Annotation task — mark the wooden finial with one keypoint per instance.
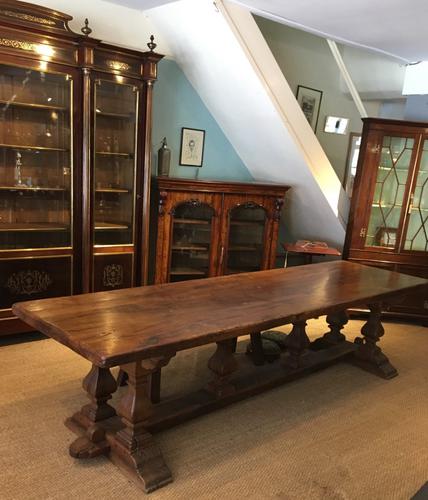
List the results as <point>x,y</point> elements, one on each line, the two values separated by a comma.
<point>86,30</point>
<point>151,45</point>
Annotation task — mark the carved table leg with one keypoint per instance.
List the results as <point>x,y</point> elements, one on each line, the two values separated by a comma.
<point>368,353</point>
<point>99,384</point>
<point>133,447</point>
<point>155,383</point>
<point>297,343</point>
<point>223,364</point>
<point>336,321</point>
<point>257,349</point>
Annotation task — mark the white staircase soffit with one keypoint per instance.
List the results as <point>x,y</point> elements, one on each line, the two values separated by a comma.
<point>225,57</point>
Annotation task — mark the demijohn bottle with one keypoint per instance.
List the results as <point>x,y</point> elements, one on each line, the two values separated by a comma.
<point>164,159</point>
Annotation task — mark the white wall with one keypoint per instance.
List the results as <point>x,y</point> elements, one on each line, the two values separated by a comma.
<point>111,23</point>
<point>306,59</point>
<point>222,55</point>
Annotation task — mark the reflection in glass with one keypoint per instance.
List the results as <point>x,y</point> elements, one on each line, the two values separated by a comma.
<point>35,159</point>
<point>246,235</point>
<point>417,229</point>
<point>389,192</point>
<point>191,241</point>
<point>115,128</point>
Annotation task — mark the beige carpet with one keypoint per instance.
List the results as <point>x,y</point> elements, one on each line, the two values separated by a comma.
<point>337,434</point>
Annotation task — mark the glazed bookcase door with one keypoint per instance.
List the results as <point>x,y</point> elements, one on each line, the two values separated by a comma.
<point>389,199</point>
<point>115,162</point>
<point>247,228</point>
<point>192,240</point>
<point>36,153</point>
<point>36,181</point>
<point>115,156</point>
<point>416,231</point>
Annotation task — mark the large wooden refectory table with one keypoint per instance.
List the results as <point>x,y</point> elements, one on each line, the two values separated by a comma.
<point>141,329</point>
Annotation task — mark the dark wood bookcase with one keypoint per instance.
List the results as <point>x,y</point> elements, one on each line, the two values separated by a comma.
<point>212,228</point>
<point>388,223</point>
<point>75,135</point>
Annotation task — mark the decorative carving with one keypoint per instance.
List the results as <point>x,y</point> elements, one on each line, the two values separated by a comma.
<point>28,17</point>
<point>113,275</point>
<point>86,30</point>
<point>279,202</point>
<point>17,44</point>
<point>250,204</point>
<point>118,65</point>
<point>162,200</point>
<point>28,282</point>
<point>192,202</point>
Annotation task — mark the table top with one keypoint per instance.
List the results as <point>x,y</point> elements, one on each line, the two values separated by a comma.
<point>122,326</point>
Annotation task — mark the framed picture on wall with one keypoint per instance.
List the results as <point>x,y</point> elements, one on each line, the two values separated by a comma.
<point>192,147</point>
<point>310,102</point>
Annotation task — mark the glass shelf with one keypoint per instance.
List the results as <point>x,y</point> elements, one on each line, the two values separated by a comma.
<point>122,116</point>
<point>48,226</point>
<point>112,153</point>
<point>30,105</point>
<point>34,148</point>
<point>182,271</point>
<point>191,221</point>
<point>31,188</point>
<point>109,226</point>
<point>244,248</point>
<point>112,190</point>
<point>192,248</point>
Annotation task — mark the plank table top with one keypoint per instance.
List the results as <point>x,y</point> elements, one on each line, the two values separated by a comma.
<point>123,326</point>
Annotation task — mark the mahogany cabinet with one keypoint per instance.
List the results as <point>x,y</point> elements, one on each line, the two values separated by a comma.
<point>75,125</point>
<point>212,228</point>
<point>388,224</point>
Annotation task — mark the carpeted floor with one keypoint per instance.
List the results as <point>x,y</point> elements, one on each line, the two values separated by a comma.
<point>337,434</point>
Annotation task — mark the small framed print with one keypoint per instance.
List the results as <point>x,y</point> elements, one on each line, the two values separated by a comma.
<point>192,147</point>
<point>310,102</point>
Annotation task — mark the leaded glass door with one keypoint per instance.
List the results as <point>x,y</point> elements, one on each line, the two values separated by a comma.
<point>416,238</point>
<point>390,198</point>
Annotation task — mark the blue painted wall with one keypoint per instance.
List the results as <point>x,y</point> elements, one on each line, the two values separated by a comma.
<point>176,104</point>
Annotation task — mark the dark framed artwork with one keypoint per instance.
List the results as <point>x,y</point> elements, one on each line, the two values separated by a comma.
<point>192,147</point>
<point>310,101</point>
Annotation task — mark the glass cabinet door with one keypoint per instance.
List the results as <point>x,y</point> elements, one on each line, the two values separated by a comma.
<point>114,162</point>
<point>245,246</point>
<point>35,159</point>
<point>417,227</point>
<point>389,196</point>
<point>191,241</point>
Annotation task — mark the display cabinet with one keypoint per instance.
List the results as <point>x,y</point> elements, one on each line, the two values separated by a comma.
<point>212,228</point>
<point>75,125</point>
<point>388,224</point>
